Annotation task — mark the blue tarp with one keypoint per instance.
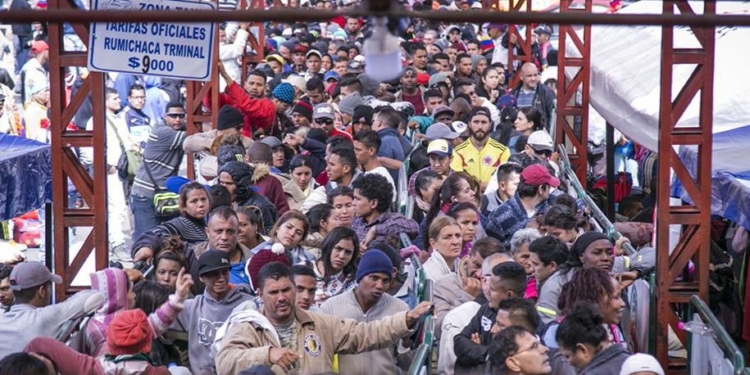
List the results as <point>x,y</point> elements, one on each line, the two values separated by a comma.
<point>25,176</point>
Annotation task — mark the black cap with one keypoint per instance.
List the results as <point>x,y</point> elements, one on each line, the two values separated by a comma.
<point>213,260</point>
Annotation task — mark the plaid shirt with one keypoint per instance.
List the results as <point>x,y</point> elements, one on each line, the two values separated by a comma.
<point>510,217</point>
<point>388,223</point>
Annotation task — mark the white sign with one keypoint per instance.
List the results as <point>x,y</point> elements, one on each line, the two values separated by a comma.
<point>175,50</point>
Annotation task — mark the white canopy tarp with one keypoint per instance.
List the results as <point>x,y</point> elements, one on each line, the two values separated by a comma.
<point>625,90</point>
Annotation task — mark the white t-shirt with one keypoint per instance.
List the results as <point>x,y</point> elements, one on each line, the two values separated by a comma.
<point>384,172</point>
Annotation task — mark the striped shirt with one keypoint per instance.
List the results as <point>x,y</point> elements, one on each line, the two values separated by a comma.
<point>163,155</point>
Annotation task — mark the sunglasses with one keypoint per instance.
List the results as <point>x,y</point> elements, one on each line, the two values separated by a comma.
<point>176,115</point>
<point>323,121</point>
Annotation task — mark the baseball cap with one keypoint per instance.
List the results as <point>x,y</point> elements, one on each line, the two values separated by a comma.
<point>459,127</point>
<point>299,48</point>
<point>543,29</point>
<point>323,110</point>
<point>442,109</point>
<point>213,260</point>
<point>354,67</point>
<point>439,130</point>
<point>276,58</point>
<point>297,81</point>
<point>314,52</point>
<point>271,141</point>
<point>331,75</point>
<point>440,147</point>
<point>540,141</point>
<point>640,362</point>
<point>537,175</point>
<point>30,274</point>
<point>39,46</point>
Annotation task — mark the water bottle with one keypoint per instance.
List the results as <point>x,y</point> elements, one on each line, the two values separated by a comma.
<point>695,328</point>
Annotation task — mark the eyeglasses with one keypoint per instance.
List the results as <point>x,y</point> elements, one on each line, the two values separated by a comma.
<point>176,115</point>
<point>535,347</point>
<point>323,121</point>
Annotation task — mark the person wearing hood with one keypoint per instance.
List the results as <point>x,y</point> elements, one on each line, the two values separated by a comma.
<point>230,122</point>
<point>284,192</point>
<point>117,289</point>
<point>129,341</point>
<point>237,177</point>
<point>583,339</point>
<point>156,98</point>
<point>204,314</point>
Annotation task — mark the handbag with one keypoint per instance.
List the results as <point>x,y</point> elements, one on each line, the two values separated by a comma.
<point>130,160</point>
<point>166,203</point>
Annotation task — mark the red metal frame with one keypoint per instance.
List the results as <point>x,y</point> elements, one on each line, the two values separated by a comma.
<point>569,108</point>
<point>65,163</point>
<point>524,42</point>
<point>694,243</point>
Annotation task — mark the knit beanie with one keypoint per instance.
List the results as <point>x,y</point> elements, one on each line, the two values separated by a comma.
<point>259,260</point>
<point>284,92</point>
<point>349,102</point>
<point>229,117</point>
<point>304,108</point>
<point>363,113</point>
<point>374,261</point>
<point>129,333</point>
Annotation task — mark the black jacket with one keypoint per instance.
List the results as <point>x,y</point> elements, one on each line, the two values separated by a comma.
<point>471,357</point>
<point>544,101</point>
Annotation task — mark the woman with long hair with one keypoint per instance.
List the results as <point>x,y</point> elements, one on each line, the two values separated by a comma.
<point>323,219</point>
<point>337,266</point>
<point>189,227</point>
<point>467,216</point>
<point>250,224</point>
<point>456,188</point>
<point>286,238</point>
<point>528,120</point>
<point>301,172</point>
<point>583,340</point>
<point>488,85</point>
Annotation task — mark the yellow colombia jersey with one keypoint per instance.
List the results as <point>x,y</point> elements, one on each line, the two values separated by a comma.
<point>480,164</point>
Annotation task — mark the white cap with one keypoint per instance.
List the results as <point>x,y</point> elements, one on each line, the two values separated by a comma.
<point>641,363</point>
<point>459,126</point>
<point>540,140</point>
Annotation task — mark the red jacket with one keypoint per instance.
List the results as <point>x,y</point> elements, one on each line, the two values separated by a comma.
<point>336,132</point>
<point>259,113</point>
<point>69,362</point>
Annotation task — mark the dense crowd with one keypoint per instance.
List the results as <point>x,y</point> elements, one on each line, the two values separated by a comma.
<point>323,200</point>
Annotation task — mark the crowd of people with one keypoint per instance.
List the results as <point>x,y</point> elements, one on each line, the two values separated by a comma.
<point>291,252</point>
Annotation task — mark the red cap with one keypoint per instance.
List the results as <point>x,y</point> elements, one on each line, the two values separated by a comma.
<point>39,46</point>
<point>299,48</point>
<point>537,175</point>
<point>423,79</point>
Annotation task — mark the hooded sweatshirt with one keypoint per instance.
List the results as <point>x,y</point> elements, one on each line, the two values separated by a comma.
<point>156,98</point>
<point>201,317</point>
<point>607,362</point>
<point>114,284</point>
<point>245,196</point>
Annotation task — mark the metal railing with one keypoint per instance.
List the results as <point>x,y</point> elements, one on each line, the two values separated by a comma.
<point>605,225</point>
<point>727,345</point>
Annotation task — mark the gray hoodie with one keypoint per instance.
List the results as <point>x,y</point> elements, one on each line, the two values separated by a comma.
<point>201,317</point>
<point>607,362</point>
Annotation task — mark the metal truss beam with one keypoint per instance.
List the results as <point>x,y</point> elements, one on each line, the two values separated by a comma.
<point>65,164</point>
<point>573,95</point>
<point>695,219</point>
<point>524,42</point>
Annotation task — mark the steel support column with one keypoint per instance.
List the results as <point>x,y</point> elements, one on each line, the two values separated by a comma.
<point>524,42</point>
<point>256,43</point>
<point>694,242</point>
<point>65,164</point>
<point>197,113</point>
<point>572,113</point>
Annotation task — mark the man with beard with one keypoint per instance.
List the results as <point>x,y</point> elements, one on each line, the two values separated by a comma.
<point>479,155</point>
<point>368,302</point>
<point>289,339</point>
